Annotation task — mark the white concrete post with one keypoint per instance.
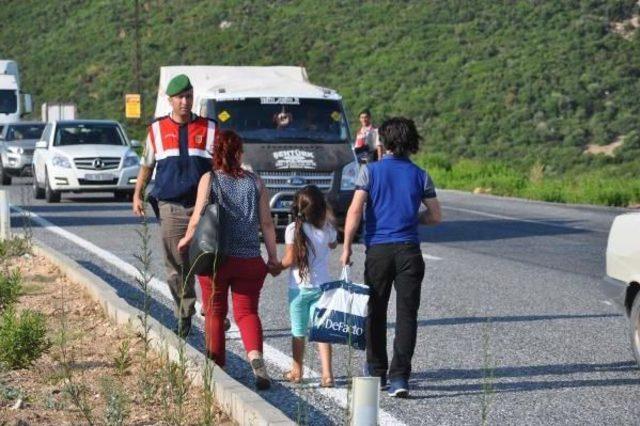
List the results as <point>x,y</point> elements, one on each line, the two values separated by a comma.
<point>365,402</point>
<point>5,217</point>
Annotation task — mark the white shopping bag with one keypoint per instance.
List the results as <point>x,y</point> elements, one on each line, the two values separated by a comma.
<point>340,313</point>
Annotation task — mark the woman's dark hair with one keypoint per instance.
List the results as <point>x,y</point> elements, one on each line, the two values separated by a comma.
<point>310,206</point>
<point>227,148</point>
<point>400,136</point>
<point>365,111</point>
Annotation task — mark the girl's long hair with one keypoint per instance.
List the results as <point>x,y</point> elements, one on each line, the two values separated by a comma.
<point>310,206</point>
<point>227,148</point>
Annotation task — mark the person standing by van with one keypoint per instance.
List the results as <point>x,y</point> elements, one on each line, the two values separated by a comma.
<point>309,240</point>
<point>392,189</point>
<point>367,145</point>
<point>179,147</point>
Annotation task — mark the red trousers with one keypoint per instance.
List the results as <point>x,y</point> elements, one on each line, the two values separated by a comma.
<point>244,276</point>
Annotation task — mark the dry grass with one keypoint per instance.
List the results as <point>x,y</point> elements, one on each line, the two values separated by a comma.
<point>95,350</point>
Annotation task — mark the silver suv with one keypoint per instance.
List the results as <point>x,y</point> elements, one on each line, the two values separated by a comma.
<point>17,143</point>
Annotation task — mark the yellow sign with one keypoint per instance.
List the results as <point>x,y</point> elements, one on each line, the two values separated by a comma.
<point>224,116</point>
<point>336,116</point>
<point>132,105</point>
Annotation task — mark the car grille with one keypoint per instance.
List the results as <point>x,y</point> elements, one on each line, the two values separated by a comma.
<point>97,182</point>
<point>291,181</point>
<point>88,163</point>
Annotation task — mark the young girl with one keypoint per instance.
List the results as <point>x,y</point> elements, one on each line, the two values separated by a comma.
<point>308,241</point>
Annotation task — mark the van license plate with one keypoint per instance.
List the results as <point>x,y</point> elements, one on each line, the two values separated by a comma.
<point>99,177</point>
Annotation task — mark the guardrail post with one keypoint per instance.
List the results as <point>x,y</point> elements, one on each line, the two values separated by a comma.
<point>5,216</point>
<point>365,402</point>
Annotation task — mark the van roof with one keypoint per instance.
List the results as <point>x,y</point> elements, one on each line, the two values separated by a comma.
<point>9,67</point>
<point>231,82</point>
<point>8,81</point>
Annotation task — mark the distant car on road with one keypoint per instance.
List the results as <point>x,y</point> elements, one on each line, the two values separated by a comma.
<point>84,156</point>
<point>622,282</point>
<point>17,143</point>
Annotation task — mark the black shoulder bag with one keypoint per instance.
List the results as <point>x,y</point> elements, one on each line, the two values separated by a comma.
<point>206,251</point>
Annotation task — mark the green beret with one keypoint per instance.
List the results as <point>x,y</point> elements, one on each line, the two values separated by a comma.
<point>178,84</point>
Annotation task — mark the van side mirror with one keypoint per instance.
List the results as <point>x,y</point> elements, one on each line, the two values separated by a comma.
<point>28,104</point>
<point>135,143</point>
<point>41,145</point>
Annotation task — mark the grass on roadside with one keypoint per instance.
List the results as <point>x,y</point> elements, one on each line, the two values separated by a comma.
<point>609,187</point>
<point>15,246</point>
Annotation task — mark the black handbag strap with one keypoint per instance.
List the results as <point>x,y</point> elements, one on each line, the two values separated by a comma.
<point>214,187</point>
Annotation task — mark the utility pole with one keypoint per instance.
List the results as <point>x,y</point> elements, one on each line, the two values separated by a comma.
<point>138,57</point>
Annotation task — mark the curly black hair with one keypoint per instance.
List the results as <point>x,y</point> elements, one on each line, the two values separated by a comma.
<point>400,136</point>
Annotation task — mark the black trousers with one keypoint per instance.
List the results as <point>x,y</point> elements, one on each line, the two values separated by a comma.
<point>400,265</point>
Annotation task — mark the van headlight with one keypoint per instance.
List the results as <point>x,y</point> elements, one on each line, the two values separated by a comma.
<point>60,161</point>
<point>15,149</point>
<point>130,160</point>
<point>349,175</point>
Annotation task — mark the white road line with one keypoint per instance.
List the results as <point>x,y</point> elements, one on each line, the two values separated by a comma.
<point>271,354</point>
<point>516,219</point>
<point>430,257</point>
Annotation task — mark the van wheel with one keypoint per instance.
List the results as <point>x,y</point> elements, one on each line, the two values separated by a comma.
<point>6,179</point>
<point>634,328</point>
<point>49,194</point>
<point>38,193</point>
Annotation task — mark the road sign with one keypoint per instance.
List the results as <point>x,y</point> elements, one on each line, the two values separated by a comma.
<point>132,105</point>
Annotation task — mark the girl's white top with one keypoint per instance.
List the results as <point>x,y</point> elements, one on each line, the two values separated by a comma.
<point>319,239</point>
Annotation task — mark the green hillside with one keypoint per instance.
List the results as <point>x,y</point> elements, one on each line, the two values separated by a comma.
<point>507,94</point>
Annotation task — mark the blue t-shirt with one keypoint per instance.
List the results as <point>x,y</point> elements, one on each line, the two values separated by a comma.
<point>396,188</point>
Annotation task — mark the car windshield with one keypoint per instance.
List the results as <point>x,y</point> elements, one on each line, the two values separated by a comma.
<point>282,119</point>
<point>8,102</point>
<point>24,131</point>
<point>88,134</point>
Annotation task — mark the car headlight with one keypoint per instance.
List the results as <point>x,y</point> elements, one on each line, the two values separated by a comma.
<point>60,161</point>
<point>15,149</point>
<point>349,175</point>
<point>130,160</point>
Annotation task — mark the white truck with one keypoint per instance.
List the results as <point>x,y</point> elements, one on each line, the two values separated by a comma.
<point>13,103</point>
<point>295,133</point>
<point>58,111</point>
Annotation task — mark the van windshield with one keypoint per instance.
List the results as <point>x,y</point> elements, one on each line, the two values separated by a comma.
<point>8,102</point>
<point>282,119</point>
<point>88,134</point>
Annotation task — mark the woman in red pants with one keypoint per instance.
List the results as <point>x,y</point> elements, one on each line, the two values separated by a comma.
<point>246,205</point>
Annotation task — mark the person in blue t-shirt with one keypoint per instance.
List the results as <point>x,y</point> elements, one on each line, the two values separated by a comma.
<point>392,190</point>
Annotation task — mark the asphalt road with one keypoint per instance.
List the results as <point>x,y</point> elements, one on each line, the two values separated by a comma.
<point>511,322</point>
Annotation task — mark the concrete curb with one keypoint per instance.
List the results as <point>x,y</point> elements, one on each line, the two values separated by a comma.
<point>242,404</point>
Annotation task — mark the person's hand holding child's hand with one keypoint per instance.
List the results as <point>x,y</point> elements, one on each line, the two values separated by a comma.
<point>274,266</point>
